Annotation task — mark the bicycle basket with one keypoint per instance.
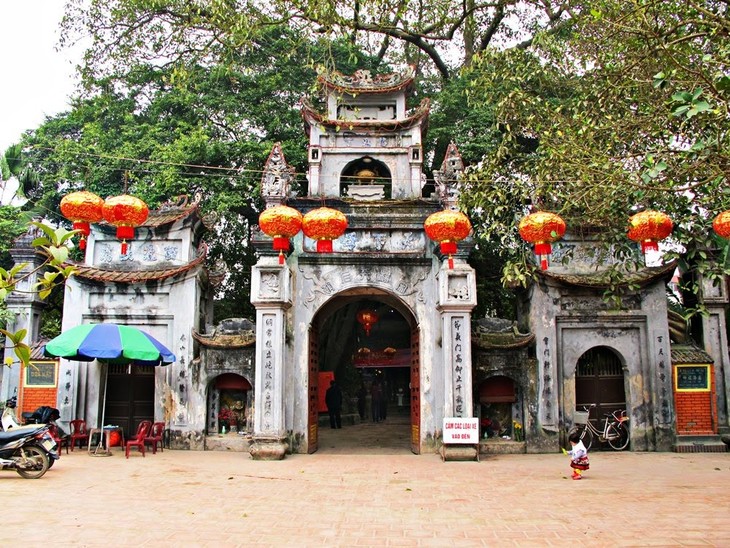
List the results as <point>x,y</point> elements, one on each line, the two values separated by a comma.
<point>580,417</point>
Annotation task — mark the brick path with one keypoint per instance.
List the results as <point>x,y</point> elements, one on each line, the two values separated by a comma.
<point>213,498</point>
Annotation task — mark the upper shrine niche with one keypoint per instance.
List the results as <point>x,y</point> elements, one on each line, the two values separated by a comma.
<point>365,145</point>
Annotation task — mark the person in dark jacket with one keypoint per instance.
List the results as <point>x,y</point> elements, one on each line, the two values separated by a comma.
<point>333,399</point>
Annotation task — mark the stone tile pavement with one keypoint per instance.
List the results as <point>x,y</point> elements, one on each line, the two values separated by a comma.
<point>369,497</point>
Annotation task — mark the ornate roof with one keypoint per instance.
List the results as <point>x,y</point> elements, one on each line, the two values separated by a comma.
<point>420,114</point>
<point>498,333</point>
<point>139,275</point>
<point>230,333</point>
<point>173,210</point>
<point>597,280</point>
<point>362,81</point>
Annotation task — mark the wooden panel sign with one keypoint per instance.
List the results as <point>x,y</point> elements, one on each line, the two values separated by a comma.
<point>41,374</point>
<point>692,378</point>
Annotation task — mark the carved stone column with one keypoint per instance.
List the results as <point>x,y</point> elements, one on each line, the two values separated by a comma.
<point>714,331</point>
<point>271,295</point>
<point>457,298</point>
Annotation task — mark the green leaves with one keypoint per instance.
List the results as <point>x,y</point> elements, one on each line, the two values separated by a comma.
<point>21,349</point>
<point>689,104</point>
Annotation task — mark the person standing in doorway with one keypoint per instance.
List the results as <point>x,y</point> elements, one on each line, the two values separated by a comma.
<point>362,395</point>
<point>333,399</point>
<point>376,394</point>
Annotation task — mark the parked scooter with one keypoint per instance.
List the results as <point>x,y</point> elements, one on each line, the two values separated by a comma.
<point>27,451</point>
<point>43,416</point>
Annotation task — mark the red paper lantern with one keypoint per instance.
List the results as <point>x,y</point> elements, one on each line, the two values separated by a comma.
<point>82,208</point>
<point>324,225</point>
<point>542,229</point>
<point>367,318</point>
<point>281,223</point>
<point>649,227</point>
<point>721,224</point>
<point>447,227</point>
<point>125,212</point>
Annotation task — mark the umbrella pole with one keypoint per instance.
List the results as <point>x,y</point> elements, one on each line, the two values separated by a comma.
<point>99,448</point>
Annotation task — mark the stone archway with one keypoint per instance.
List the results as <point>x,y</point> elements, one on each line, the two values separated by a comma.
<point>339,346</point>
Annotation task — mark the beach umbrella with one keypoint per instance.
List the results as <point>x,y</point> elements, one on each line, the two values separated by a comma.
<point>108,343</point>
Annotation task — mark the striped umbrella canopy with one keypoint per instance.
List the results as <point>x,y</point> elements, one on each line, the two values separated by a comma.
<point>110,343</point>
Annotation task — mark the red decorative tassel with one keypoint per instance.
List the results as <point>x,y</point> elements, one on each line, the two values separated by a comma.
<point>451,263</point>
<point>324,246</point>
<point>125,246</point>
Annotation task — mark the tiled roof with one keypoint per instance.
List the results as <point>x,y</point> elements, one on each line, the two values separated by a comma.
<point>641,277</point>
<point>420,114</point>
<point>689,353</point>
<point>138,276</point>
<point>240,340</point>
<point>362,81</point>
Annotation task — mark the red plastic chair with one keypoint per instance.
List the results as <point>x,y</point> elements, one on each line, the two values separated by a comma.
<point>78,433</point>
<point>58,438</point>
<point>155,436</point>
<point>138,439</point>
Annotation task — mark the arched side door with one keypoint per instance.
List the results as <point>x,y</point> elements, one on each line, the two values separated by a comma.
<point>599,379</point>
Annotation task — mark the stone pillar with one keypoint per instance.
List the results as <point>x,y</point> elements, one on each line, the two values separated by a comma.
<point>271,295</point>
<point>457,298</point>
<point>714,330</point>
<point>26,306</point>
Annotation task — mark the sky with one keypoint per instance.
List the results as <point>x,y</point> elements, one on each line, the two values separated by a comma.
<point>36,80</point>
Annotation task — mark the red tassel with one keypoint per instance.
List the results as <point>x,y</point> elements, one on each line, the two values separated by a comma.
<point>451,263</point>
<point>324,246</point>
<point>124,247</point>
<point>544,262</point>
<point>82,243</point>
<point>281,257</point>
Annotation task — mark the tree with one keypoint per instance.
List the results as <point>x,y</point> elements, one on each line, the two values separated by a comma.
<point>196,130</point>
<point>626,108</point>
<point>427,32</point>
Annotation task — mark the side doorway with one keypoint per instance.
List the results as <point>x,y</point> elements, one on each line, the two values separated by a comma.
<point>599,379</point>
<point>130,396</point>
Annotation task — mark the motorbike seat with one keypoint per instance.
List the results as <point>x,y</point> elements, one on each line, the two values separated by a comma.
<point>17,433</point>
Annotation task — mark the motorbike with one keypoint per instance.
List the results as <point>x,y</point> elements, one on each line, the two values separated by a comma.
<point>43,416</point>
<point>27,451</point>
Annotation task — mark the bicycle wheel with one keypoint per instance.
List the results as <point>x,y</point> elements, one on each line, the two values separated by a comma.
<point>586,437</point>
<point>618,436</point>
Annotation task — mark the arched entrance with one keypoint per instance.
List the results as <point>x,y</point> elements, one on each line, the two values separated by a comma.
<point>599,379</point>
<point>377,367</point>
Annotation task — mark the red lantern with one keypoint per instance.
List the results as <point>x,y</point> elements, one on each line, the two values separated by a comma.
<point>281,223</point>
<point>721,224</point>
<point>125,212</point>
<point>541,229</point>
<point>649,227</point>
<point>82,208</point>
<point>324,225</point>
<point>447,227</point>
<point>367,318</point>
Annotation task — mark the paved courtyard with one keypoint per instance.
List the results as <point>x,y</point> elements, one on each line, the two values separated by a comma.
<point>381,496</point>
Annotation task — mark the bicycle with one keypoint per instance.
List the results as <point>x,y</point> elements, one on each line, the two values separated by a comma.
<point>615,428</point>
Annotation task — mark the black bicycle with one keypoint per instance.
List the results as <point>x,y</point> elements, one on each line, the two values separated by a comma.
<point>615,428</point>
